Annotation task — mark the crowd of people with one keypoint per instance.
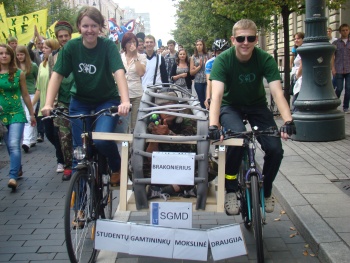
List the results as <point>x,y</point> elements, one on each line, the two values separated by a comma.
<point>89,73</point>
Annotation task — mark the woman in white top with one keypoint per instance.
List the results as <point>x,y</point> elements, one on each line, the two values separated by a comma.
<point>135,66</point>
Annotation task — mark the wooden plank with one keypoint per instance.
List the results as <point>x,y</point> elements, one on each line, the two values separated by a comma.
<point>161,141</point>
<point>221,180</point>
<point>111,136</point>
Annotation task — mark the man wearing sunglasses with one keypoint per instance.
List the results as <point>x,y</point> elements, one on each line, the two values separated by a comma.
<point>238,92</point>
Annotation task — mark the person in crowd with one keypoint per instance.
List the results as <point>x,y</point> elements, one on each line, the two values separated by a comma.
<point>197,69</point>
<point>12,87</point>
<point>330,36</point>
<point>41,91</point>
<point>155,69</point>
<point>140,46</point>
<point>170,57</point>
<point>135,65</point>
<point>30,69</point>
<point>298,41</point>
<point>95,83</point>
<point>12,42</point>
<point>341,65</point>
<point>299,79</point>
<point>180,73</point>
<point>63,32</point>
<point>234,98</point>
<point>179,47</point>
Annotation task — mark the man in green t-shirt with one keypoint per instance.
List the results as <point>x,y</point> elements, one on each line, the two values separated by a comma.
<point>238,92</point>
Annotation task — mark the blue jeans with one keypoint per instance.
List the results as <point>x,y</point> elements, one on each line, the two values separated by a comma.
<point>232,118</point>
<point>13,139</point>
<point>201,89</point>
<point>102,124</point>
<point>340,78</point>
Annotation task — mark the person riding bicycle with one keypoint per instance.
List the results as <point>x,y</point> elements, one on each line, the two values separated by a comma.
<point>238,92</point>
<point>97,67</point>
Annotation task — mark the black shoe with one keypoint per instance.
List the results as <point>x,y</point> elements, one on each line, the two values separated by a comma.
<point>25,148</point>
<point>40,139</point>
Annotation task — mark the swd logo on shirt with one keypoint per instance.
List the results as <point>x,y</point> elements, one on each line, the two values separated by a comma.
<point>247,78</point>
<point>87,68</point>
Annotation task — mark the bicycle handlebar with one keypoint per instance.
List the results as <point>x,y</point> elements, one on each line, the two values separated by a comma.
<point>271,131</point>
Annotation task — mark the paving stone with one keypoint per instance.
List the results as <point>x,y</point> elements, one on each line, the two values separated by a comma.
<point>34,256</point>
<point>275,244</point>
<point>29,237</point>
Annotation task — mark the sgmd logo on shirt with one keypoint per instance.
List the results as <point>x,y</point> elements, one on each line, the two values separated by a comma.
<point>87,68</point>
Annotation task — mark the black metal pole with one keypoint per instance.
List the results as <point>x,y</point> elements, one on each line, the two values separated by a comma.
<point>316,116</point>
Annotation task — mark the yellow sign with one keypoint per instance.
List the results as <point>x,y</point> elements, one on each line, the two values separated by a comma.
<point>3,24</point>
<point>22,27</point>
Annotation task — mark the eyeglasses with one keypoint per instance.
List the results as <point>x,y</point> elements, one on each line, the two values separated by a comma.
<point>241,39</point>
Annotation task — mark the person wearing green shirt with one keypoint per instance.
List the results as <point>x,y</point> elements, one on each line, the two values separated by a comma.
<point>238,92</point>
<point>97,67</point>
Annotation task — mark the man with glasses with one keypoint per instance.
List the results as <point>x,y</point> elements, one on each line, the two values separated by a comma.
<point>238,92</point>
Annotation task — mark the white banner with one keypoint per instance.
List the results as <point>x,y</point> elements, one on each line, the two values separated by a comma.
<point>226,242</point>
<point>173,168</point>
<point>146,240</point>
<point>171,214</point>
<point>191,244</point>
<point>112,236</point>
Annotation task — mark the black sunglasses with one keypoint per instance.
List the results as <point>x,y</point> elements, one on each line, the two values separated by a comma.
<point>241,39</point>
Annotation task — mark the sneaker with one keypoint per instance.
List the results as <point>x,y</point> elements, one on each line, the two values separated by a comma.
<point>25,148</point>
<point>346,111</point>
<point>79,220</point>
<point>40,139</point>
<point>269,204</point>
<point>156,192</point>
<point>60,168</point>
<point>67,174</point>
<point>12,184</point>
<point>231,204</point>
<point>190,193</point>
<point>168,190</point>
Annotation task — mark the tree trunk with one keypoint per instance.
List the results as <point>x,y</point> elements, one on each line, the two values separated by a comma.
<point>285,21</point>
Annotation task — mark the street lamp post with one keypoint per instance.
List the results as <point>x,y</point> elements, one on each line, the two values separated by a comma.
<point>317,117</point>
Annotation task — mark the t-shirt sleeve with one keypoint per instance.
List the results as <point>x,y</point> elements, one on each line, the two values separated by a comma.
<point>218,70</point>
<point>114,58</point>
<point>64,63</point>
<point>271,71</point>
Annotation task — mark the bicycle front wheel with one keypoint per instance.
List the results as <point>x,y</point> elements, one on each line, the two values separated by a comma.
<point>256,218</point>
<point>80,218</point>
<point>107,198</point>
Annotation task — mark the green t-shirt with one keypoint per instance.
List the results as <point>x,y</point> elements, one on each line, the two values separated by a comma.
<point>244,81</point>
<point>10,99</point>
<point>65,88</point>
<point>31,79</point>
<point>92,69</point>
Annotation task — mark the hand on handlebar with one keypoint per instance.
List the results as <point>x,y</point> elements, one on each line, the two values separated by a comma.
<point>46,110</point>
<point>124,108</point>
<point>288,129</point>
<point>215,133</point>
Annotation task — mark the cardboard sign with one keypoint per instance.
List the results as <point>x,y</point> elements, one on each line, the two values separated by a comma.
<point>173,168</point>
<point>171,214</point>
<point>112,236</point>
<point>191,244</point>
<point>146,240</point>
<point>226,242</point>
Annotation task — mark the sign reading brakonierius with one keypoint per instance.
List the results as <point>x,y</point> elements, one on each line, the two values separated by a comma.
<point>165,242</point>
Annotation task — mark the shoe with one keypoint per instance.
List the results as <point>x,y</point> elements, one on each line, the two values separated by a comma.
<point>12,184</point>
<point>79,220</point>
<point>190,193</point>
<point>20,172</point>
<point>231,204</point>
<point>67,174</point>
<point>269,204</point>
<point>215,154</point>
<point>346,111</point>
<point>60,168</point>
<point>32,144</point>
<point>39,139</point>
<point>25,148</point>
<point>156,192</point>
<point>115,179</point>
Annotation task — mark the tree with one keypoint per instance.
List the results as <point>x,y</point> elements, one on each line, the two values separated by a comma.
<point>262,12</point>
<point>197,20</point>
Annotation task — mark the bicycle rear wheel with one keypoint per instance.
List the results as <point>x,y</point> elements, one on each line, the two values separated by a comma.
<point>256,218</point>
<point>107,198</point>
<point>80,218</point>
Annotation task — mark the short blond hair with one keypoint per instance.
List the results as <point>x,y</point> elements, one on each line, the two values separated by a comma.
<point>244,24</point>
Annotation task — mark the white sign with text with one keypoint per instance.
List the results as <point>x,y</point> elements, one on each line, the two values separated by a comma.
<point>173,168</point>
<point>171,214</point>
<point>226,242</point>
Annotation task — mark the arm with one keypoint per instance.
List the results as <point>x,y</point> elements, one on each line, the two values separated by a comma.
<point>124,107</point>
<point>208,92</point>
<point>52,90</point>
<point>26,98</point>
<point>176,77</point>
<point>140,68</point>
<point>291,61</point>
<point>300,70</point>
<point>216,98</point>
<point>193,68</point>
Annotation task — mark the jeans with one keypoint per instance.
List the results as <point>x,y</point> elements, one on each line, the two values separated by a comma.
<point>232,118</point>
<point>51,133</point>
<point>201,89</point>
<point>29,133</point>
<point>102,124</point>
<point>13,140</point>
<point>340,78</point>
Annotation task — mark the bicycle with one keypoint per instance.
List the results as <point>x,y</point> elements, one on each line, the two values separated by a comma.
<point>89,196</point>
<point>250,185</point>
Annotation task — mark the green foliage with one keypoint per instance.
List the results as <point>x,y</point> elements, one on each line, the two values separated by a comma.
<point>196,20</point>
